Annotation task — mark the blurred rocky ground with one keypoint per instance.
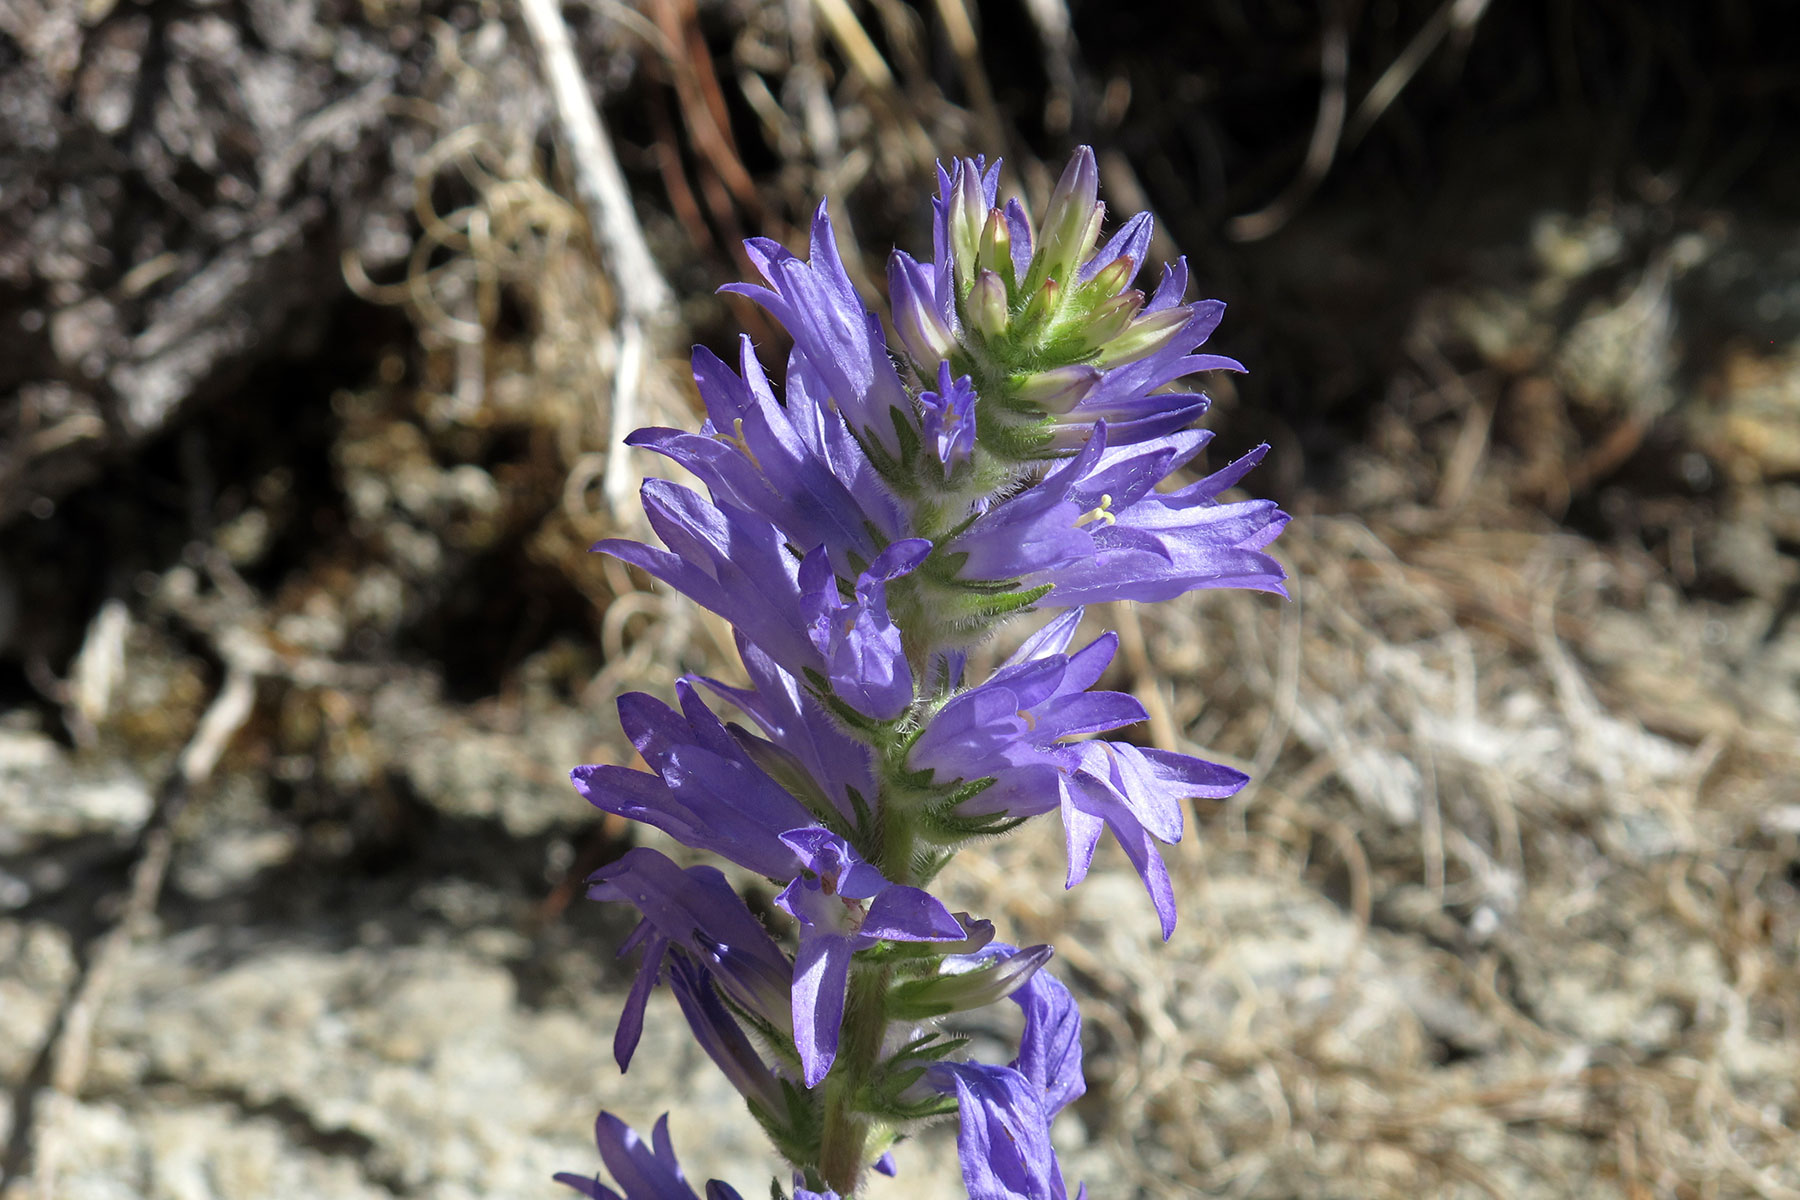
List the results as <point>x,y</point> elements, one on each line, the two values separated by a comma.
<point>308,398</point>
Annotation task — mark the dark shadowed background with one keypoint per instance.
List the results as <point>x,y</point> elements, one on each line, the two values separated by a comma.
<point>311,379</point>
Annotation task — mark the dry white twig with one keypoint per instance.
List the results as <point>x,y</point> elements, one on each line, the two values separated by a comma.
<point>1334,68</point>
<point>74,1040</point>
<point>598,182</point>
<point>646,303</point>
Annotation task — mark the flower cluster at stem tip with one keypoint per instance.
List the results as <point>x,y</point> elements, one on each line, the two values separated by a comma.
<point>1001,453</point>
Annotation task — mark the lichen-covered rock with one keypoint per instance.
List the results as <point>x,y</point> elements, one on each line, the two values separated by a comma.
<point>181,185</point>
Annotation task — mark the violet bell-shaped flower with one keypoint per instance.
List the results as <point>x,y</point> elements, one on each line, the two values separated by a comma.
<point>697,913</point>
<point>1003,1142</point>
<point>806,751</point>
<point>843,905</point>
<point>1050,1043</point>
<point>947,418</point>
<point>856,638</point>
<point>1003,1134</point>
<point>737,563</point>
<point>837,340</point>
<point>1139,794</point>
<point>645,1172</point>
<point>795,464</point>
<point>1018,730</point>
<point>1014,727</point>
<point>707,792</point>
<point>1096,528</point>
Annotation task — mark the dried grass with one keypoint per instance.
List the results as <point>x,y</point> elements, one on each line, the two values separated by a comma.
<point>1473,931</point>
<point>1486,923</point>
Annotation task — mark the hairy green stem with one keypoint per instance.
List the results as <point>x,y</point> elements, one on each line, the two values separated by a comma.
<point>844,1146</point>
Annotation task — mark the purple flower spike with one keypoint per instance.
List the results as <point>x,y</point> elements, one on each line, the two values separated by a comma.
<point>835,924</point>
<point>836,338</point>
<point>644,1172</point>
<point>949,419</point>
<point>864,521</point>
<point>860,646</point>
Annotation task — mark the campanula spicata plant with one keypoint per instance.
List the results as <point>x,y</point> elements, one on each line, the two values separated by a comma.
<point>863,526</point>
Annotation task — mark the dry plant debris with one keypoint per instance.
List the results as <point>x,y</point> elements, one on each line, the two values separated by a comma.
<point>1511,910</point>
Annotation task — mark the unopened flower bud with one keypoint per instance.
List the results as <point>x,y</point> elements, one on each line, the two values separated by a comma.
<point>1110,319</point>
<point>987,305</point>
<point>1145,336</point>
<point>1059,389</point>
<point>1043,303</point>
<point>1072,220</point>
<point>996,246</point>
<point>989,983</point>
<point>921,328</point>
<point>968,215</point>
<point>1113,276</point>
